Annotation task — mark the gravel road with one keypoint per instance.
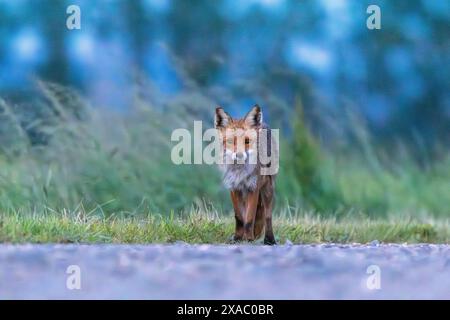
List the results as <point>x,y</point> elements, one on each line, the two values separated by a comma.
<point>181,271</point>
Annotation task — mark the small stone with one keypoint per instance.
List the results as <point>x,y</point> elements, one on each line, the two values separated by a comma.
<point>374,243</point>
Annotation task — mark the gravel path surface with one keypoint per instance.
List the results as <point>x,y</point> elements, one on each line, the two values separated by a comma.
<point>183,271</point>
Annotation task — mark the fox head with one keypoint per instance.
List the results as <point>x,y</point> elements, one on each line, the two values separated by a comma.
<point>239,136</point>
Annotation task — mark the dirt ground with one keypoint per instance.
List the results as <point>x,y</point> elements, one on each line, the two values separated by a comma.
<point>181,271</point>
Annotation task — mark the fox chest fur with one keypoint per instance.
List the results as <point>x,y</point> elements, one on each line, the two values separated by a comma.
<point>242,177</point>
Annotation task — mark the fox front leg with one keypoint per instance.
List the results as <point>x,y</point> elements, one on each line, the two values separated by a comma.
<point>237,200</point>
<point>269,238</point>
<point>249,225</point>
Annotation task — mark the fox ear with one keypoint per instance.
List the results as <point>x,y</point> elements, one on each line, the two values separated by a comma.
<point>254,118</point>
<point>221,118</point>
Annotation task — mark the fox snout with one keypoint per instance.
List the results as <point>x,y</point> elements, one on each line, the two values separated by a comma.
<point>237,156</point>
<point>240,156</point>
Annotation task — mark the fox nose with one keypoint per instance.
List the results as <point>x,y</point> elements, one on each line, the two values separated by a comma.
<point>239,155</point>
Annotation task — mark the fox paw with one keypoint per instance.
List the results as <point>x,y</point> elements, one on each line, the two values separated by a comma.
<point>233,239</point>
<point>270,241</point>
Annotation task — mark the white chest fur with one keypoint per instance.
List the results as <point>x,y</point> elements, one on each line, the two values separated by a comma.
<point>240,177</point>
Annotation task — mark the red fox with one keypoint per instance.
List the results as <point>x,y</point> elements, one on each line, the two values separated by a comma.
<point>252,193</point>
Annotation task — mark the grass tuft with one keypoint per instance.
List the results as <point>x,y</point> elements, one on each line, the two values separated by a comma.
<point>198,227</point>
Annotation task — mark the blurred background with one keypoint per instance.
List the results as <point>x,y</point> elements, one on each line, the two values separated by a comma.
<point>86,115</point>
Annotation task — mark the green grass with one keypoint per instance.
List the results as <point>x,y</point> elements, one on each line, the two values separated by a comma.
<point>116,169</point>
<point>211,228</point>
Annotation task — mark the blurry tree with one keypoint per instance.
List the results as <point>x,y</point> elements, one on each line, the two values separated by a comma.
<point>306,161</point>
<point>242,52</point>
<point>52,24</point>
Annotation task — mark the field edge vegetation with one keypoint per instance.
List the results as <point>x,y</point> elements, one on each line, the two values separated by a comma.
<point>200,228</point>
<point>62,151</point>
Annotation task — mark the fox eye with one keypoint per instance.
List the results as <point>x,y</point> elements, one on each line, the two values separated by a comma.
<point>247,141</point>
